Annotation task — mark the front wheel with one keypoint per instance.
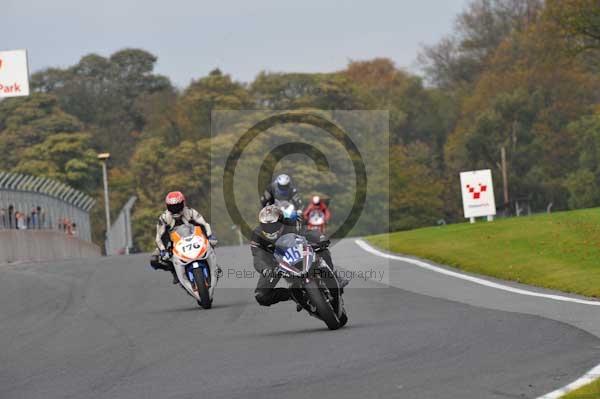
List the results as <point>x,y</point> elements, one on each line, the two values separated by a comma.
<point>202,287</point>
<point>324,308</point>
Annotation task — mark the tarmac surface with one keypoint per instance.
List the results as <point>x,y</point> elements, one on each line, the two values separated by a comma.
<point>114,328</point>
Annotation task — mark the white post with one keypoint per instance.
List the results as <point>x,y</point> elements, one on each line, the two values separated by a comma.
<point>104,158</point>
<point>472,220</point>
<point>490,218</point>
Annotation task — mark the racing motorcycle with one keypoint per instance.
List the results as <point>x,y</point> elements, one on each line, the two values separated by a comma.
<point>312,283</point>
<point>316,221</point>
<point>195,263</point>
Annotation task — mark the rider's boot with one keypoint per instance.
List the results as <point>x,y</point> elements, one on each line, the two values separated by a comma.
<point>175,278</point>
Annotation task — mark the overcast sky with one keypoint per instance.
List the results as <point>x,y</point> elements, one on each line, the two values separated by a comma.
<point>242,37</point>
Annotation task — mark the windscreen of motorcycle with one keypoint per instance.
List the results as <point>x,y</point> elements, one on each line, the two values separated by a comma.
<point>293,253</point>
<point>287,209</point>
<point>316,217</point>
<point>189,243</point>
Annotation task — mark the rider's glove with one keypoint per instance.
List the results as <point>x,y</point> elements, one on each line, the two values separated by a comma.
<point>269,272</point>
<point>165,256</point>
<point>213,240</point>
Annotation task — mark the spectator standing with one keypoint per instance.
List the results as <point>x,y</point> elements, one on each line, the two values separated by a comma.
<point>11,219</point>
<point>3,220</point>
<point>34,219</point>
<point>21,221</point>
<point>41,217</point>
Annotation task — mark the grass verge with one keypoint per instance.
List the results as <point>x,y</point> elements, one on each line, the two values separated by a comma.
<point>560,251</point>
<point>590,391</point>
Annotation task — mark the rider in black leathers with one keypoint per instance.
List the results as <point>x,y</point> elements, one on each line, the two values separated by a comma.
<point>281,189</point>
<point>263,246</point>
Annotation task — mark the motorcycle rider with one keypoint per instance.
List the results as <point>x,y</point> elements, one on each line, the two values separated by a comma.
<point>317,205</point>
<point>262,245</point>
<point>281,189</point>
<point>177,213</point>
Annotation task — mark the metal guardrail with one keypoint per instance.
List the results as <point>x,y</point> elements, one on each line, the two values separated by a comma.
<point>44,204</point>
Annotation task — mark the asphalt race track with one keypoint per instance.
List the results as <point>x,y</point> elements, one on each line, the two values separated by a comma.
<point>113,328</point>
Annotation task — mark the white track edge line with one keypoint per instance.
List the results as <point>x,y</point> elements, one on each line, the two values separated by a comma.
<point>587,378</point>
<point>367,247</point>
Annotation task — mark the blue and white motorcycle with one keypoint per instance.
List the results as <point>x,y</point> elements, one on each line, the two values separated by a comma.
<point>312,283</point>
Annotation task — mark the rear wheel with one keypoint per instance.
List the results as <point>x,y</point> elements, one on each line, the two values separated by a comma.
<point>324,308</point>
<point>202,286</point>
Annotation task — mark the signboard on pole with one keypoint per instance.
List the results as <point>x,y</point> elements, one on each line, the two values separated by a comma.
<point>14,73</point>
<point>478,193</point>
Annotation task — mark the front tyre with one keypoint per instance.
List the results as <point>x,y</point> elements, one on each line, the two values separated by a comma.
<point>324,309</point>
<point>202,286</point>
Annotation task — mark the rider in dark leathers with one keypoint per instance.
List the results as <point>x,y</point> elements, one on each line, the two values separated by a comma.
<point>281,189</point>
<point>263,246</point>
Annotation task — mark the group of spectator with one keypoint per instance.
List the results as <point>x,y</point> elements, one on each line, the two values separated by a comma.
<point>10,218</point>
<point>13,219</point>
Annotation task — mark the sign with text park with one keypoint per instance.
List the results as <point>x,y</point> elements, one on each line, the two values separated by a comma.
<point>14,73</point>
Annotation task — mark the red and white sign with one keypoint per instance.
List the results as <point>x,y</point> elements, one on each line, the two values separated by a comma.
<point>14,73</point>
<point>477,193</point>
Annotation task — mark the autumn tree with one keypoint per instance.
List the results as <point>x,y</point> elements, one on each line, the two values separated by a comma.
<point>103,93</point>
<point>458,60</point>
<point>28,122</point>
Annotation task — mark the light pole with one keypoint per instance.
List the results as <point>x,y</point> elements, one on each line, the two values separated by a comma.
<point>103,157</point>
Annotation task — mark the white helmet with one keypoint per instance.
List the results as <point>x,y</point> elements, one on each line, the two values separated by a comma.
<point>282,185</point>
<point>283,180</point>
<point>270,221</point>
<point>316,200</point>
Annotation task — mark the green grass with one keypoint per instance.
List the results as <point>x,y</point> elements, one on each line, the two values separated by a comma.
<point>590,391</point>
<point>559,251</point>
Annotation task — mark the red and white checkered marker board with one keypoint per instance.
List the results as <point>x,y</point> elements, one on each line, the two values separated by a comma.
<point>14,73</point>
<point>477,193</point>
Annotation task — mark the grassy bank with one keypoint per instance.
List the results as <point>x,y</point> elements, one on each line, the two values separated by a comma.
<point>590,391</point>
<point>559,251</point>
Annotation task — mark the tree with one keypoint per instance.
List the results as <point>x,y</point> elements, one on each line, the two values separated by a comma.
<point>29,121</point>
<point>66,157</point>
<point>303,90</point>
<point>415,112</point>
<point>532,88</point>
<point>103,93</point>
<point>415,192</point>
<point>578,22</point>
<point>458,60</point>
<point>584,191</point>
<point>214,92</point>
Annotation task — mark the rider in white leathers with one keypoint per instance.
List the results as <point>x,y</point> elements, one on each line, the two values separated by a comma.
<point>176,213</point>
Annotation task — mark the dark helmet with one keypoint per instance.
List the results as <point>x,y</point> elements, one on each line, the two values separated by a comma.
<point>270,219</point>
<point>282,184</point>
<point>175,201</point>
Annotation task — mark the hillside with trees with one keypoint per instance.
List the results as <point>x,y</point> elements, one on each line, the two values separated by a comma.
<point>519,76</point>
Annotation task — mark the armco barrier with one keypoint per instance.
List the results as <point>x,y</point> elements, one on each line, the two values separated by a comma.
<point>28,246</point>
